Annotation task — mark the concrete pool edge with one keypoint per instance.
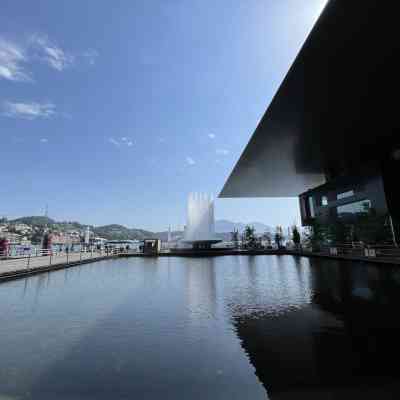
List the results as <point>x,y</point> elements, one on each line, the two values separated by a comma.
<point>23,273</point>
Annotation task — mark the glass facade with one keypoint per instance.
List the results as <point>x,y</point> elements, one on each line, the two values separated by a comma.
<point>358,207</point>
<point>311,206</point>
<point>343,195</point>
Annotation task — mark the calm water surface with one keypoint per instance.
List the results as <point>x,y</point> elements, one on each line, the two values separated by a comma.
<point>212,328</point>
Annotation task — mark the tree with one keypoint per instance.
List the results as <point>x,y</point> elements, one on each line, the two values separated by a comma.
<point>235,238</point>
<point>296,236</point>
<point>316,235</point>
<point>372,228</point>
<point>249,236</point>
<point>338,232</point>
<point>267,237</point>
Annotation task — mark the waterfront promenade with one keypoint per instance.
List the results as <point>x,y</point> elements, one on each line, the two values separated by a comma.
<point>17,267</point>
<point>13,267</point>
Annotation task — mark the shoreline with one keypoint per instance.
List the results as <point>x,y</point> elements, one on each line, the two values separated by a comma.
<point>23,271</point>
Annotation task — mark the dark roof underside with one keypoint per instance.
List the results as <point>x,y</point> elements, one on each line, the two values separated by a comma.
<point>334,109</point>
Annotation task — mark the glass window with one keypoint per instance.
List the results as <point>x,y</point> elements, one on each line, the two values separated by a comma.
<point>345,194</point>
<point>358,207</point>
<point>324,201</point>
<point>303,207</point>
<point>311,206</point>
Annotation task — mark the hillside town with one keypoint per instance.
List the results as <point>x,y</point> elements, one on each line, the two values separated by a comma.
<point>24,234</point>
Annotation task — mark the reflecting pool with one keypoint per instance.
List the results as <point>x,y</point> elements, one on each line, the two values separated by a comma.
<point>234,327</point>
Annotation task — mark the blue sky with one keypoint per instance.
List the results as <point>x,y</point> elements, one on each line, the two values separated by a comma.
<point>112,112</point>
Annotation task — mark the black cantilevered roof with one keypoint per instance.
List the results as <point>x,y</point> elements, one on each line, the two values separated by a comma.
<point>336,109</point>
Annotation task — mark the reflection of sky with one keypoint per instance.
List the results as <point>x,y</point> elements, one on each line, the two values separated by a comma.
<point>141,325</point>
<point>195,327</point>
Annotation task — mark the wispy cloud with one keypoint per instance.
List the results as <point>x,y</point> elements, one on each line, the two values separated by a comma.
<point>52,54</point>
<point>114,141</point>
<point>123,141</point>
<point>190,160</point>
<point>13,59</point>
<point>28,110</point>
<point>211,136</point>
<point>15,56</point>
<point>222,152</point>
<point>43,140</point>
<point>91,56</point>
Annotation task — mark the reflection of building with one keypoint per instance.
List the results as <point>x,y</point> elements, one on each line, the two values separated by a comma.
<point>333,121</point>
<point>201,288</point>
<point>342,344</point>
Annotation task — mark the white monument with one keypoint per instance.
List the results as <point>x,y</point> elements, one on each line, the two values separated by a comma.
<point>200,226</point>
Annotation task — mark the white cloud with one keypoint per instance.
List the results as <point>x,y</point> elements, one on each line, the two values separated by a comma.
<point>43,140</point>
<point>190,161</point>
<point>12,60</point>
<point>52,54</point>
<point>114,142</point>
<point>123,141</point>
<point>15,57</point>
<point>28,110</point>
<point>222,152</point>
<point>211,136</point>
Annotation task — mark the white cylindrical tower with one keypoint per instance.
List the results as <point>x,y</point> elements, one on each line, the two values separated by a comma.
<point>200,219</point>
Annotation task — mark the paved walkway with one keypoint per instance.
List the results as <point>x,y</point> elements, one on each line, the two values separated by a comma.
<point>21,264</point>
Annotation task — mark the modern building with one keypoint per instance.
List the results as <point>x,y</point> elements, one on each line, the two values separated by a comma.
<point>344,198</point>
<point>330,134</point>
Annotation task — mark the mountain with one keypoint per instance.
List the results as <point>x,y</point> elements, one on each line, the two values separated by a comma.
<point>223,225</point>
<point>164,235</point>
<point>110,232</point>
<point>33,220</point>
<point>120,232</point>
<point>223,228</point>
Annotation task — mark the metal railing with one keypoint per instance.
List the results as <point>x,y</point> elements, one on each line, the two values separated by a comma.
<point>358,250</point>
<point>42,258</point>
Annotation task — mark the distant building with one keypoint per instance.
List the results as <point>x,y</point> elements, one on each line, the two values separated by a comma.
<point>13,238</point>
<point>151,246</point>
<point>22,228</point>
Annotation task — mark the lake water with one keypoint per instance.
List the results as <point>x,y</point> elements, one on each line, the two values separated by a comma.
<point>235,327</point>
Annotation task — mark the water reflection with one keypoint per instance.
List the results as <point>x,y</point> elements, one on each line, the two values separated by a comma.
<point>344,342</point>
<point>201,296</point>
<point>218,328</point>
